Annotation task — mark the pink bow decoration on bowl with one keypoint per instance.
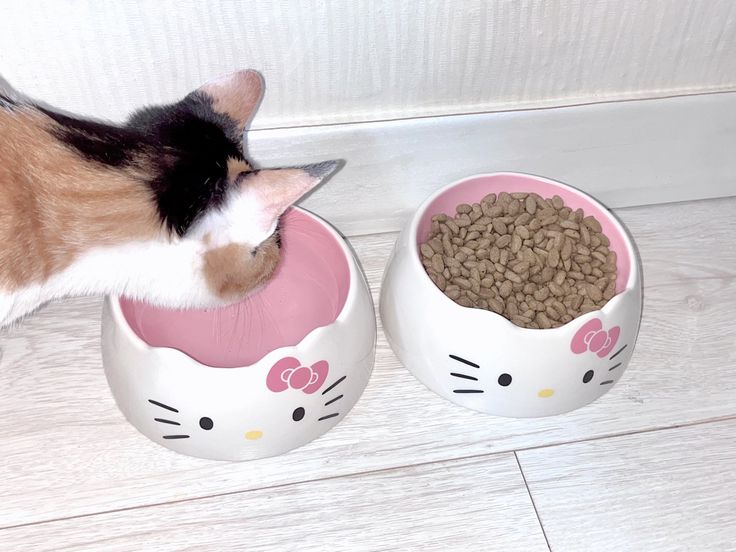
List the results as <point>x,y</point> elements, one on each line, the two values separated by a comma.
<point>592,337</point>
<point>289,373</point>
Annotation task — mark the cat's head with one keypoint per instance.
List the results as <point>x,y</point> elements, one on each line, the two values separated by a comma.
<point>205,188</point>
<point>200,164</point>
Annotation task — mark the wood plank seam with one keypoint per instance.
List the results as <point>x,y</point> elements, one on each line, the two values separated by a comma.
<point>531,498</point>
<point>614,435</point>
<point>378,471</point>
<point>254,489</point>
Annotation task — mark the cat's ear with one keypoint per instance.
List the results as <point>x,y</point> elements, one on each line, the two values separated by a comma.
<point>236,96</point>
<point>272,191</point>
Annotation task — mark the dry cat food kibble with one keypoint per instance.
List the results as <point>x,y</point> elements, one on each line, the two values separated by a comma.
<point>532,260</point>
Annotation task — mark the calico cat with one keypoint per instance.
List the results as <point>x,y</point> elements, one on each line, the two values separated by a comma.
<point>164,208</point>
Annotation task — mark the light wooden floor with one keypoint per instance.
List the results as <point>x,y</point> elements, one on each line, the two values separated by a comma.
<point>651,466</point>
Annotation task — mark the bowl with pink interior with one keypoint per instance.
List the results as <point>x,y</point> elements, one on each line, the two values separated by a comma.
<point>478,357</point>
<point>257,378</point>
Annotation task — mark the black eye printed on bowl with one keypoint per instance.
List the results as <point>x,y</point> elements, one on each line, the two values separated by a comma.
<point>206,423</point>
<point>504,380</point>
<point>298,414</point>
<point>588,376</point>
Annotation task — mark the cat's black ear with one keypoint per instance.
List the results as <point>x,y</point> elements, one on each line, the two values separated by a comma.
<point>236,96</point>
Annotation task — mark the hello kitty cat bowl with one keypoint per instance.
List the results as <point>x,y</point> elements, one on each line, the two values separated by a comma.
<point>258,378</point>
<point>478,359</point>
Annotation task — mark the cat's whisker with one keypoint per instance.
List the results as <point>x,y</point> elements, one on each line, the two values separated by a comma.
<point>618,352</point>
<point>162,405</point>
<point>328,403</point>
<point>607,382</point>
<point>331,387</point>
<point>467,391</point>
<point>328,416</point>
<point>164,421</point>
<point>176,436</point>
<point>463,376</point>
<point>614,366</point>
<point>461,359</point>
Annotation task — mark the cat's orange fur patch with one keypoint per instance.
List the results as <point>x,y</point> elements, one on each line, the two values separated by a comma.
<point>55,205</point>
<point>235,167</point>
<point>231,271</point>
<point>236,95</point>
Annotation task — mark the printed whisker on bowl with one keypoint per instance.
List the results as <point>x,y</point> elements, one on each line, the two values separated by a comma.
<point>328,403</point>
<point>331,387</point>
<point>328,416</point>
<point>464,361</point>
<point>467,391</point>
<point>162,405</point>
<point>176,436</point>
<point>463,376</point>
<point>618,352</point>
<point>607,382</point>
<point>164,421</point>
<point>614,366</point>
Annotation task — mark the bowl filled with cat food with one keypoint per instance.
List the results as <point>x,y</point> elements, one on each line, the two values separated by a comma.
<point>513,295</point>
<point>256,378</point>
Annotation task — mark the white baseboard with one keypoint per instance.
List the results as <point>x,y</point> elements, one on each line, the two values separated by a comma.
<point>625,153</point>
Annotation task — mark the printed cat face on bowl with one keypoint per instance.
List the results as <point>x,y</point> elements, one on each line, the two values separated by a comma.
<point>257,378</point>
<point>480,360</point>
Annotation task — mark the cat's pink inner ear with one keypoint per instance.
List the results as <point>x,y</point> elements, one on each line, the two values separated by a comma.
<point>236,95</point>
<point>276,190</point>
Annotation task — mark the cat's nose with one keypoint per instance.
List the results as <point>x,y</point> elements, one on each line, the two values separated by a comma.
<point>253,435</point>
<point>546,393</point>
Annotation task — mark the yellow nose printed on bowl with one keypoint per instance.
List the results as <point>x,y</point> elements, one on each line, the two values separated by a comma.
<point>254,435</point>
<point>544,393</point>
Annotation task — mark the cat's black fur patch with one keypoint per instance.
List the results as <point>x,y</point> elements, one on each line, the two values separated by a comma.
<point>96,141</point>
<point>185,147</point>
<point>203,140</point>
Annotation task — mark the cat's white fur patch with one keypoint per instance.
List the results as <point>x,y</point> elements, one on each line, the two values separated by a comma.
<point>241,219</point>
<point>164,273</point>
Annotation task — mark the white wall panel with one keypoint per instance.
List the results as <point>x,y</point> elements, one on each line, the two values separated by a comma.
<point>332,61</point>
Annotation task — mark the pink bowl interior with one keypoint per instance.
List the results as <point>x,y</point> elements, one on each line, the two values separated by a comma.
<point>308,291</point>
<point>474,189</point>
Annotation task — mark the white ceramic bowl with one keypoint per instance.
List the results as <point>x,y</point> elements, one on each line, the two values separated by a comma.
<point>254,379</point>
<point>480,360</point>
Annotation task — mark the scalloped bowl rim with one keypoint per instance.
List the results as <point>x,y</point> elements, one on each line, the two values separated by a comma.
<point>312,336</point>
<point>634,267</point>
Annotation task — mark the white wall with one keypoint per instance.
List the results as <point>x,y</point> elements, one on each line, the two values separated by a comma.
<point>331,61</point>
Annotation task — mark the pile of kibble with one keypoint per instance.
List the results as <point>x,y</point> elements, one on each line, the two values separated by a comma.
<point>532,260</point>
